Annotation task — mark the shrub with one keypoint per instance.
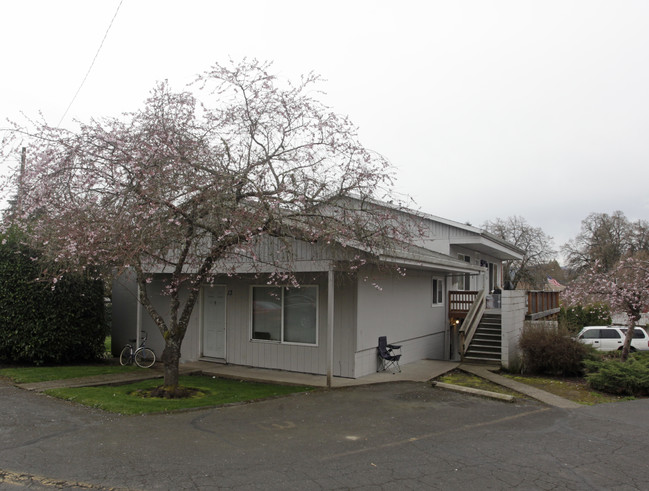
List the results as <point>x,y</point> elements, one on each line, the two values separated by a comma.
<point>42,325</point>
<point>552,351</point>
<point>575,317</point>
<point>613,376</point>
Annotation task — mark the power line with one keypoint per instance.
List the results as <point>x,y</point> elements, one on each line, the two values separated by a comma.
<point>91,64</point>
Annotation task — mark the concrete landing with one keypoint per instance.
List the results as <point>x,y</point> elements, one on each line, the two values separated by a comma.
<point>419,371</point>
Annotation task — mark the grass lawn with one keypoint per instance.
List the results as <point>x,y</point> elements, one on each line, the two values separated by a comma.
<point>26,375</point>
<point>125,399</point>
<point>575,389</point>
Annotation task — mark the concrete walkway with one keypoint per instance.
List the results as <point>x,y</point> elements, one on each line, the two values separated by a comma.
<point>486,372</point>
<point>419,371</point>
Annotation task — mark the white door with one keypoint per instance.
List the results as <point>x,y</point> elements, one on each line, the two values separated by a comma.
<point>213,321</point>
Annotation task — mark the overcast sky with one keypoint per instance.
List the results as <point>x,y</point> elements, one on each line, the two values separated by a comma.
<point>486,108</point>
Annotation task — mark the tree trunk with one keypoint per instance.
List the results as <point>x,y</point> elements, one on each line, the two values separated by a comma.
<point>626,347</point>
<point>171,359</point>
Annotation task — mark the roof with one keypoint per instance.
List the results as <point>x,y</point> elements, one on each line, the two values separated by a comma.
<point>479,239</point>
<point>421,258</point>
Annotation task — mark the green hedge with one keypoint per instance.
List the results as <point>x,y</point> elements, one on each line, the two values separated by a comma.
<point>44,325</point>
<point>575,317</point>
<point>630,378</point>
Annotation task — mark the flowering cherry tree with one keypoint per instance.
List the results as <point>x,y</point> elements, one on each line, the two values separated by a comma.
<point>193,180</point>
<point>625,288</point>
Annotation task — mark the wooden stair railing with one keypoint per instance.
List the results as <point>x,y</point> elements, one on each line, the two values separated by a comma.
<point>471,321</point>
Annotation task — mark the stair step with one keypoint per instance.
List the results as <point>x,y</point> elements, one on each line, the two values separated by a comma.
<point>476,359</point>
<point>488,334</point>
<point>484,352</point>
<point>486,344</point>
<point>492,332</point>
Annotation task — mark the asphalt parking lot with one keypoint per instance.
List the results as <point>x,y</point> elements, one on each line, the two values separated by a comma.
<point>404,435</point>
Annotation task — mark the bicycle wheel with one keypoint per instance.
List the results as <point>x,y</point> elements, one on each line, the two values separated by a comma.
<point>144,358</point>
<point>125,357</point>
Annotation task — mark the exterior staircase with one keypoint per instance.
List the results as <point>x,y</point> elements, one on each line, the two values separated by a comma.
<point>486,344</point>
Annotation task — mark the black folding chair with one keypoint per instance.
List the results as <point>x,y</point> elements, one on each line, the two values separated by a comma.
<point>387,358</point>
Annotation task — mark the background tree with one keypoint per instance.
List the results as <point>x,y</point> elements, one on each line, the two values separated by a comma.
<point>189,188</point>
<point>539,274</point>
<point>624,288</point>
<point>640,237</point>
<point>535,243</point>
<point>603,239</point>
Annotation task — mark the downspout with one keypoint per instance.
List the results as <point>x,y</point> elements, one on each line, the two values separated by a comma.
<point>447,317</point>
<point>138,321</point>
<point>330,325</point>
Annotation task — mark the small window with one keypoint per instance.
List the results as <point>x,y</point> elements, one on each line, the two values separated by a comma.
<point>590,334</point>
<point>438,291</point>
<point>637,333</point>
<point>609,334</point>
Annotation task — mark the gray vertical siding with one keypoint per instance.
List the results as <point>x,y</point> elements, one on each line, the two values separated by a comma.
<point>241,350</point>
<point>401,309</point>
<point>345,303</point>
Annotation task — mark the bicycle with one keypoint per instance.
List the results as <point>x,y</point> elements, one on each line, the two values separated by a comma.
<point>142,356</point>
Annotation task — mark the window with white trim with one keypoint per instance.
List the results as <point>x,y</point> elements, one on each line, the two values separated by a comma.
<point>438,292</point>
<point>493,276</point>
<point>287,315</point>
